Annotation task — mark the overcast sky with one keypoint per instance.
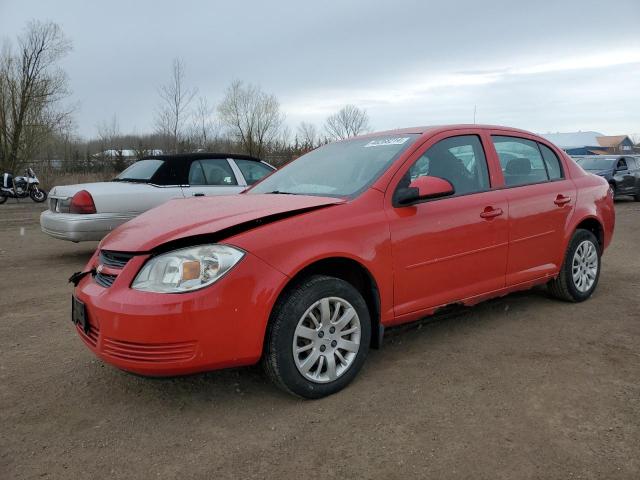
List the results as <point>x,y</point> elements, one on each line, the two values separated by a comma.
<point>544,66</point>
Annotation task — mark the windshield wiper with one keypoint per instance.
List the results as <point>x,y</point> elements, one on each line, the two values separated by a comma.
<point>279,192</point>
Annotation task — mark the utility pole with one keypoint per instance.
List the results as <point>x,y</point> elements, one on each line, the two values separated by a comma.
<point>474,114</point>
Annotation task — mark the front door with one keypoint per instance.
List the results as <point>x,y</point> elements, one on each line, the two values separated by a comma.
<point>453,248</point>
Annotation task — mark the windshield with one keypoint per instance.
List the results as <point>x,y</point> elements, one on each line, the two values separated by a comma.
<point>596,163</point>
<point>338,169</point>
<point>141,171</point>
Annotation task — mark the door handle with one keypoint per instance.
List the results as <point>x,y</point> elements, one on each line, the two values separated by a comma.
<point>562,200</point>
<point>491,212</point>
<point>198,194</point>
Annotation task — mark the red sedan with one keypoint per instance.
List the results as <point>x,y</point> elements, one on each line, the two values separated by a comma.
<point>306,269</point>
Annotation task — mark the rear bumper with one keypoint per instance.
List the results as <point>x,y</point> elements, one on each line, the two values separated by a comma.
<point>81,228</point>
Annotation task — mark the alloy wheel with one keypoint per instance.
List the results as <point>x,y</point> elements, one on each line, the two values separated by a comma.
<point>584,267</point>
<point>326,340</point>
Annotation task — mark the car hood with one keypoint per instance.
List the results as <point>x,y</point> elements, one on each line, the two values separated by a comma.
<point>600,172</point>
<point>213,218</point>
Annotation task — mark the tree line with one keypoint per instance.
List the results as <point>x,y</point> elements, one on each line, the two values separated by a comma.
<point>37,125</point>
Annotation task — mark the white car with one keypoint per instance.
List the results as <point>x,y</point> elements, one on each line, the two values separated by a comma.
<point>90,211</point>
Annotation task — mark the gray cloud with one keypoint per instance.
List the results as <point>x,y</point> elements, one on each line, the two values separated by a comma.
<point>545,66</point>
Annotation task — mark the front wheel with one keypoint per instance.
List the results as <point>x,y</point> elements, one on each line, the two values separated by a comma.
<point>318,337</point>
<point>2,199</point>
<point>38,196</point>
<point>580,271</point>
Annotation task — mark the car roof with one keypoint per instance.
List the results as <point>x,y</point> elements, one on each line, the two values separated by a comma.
<point>201,156</point>
<point>432,129</point>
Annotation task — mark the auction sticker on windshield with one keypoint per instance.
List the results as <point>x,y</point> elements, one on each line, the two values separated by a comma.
<point>381,142</point>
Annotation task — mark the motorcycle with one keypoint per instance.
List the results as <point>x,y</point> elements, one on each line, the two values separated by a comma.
<point>21,187</point>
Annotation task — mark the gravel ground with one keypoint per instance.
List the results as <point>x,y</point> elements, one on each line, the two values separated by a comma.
<point>520,387</point>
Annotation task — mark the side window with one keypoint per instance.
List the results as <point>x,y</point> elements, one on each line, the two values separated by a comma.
<point>460,160</point>
<point>622,164</point>
<point>211,172</point>
<point>520,160</point>
<point>551,162</point>
<point>196,174</point>
<point>252,171</point>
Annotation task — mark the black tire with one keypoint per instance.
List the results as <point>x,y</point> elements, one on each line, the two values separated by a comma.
<point>636,197</point>
<point>38,198</point>
<point>2,199</point>
<point>278,359</point>
<point>564,286</point>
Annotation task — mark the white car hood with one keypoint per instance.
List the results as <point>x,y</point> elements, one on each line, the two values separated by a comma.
<point>120,197</point>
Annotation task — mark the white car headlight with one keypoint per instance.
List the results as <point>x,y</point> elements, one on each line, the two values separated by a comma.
<point>186,269</point>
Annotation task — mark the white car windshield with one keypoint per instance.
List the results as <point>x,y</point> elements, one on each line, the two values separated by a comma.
<point>141,171</point>
<point>339,169</point>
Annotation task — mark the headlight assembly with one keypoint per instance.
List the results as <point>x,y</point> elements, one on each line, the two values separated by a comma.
<point>186,269</point>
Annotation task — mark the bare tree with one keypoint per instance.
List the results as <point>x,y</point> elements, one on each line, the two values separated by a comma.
<point>31,89</point>
<point>173,112</point>
<point>252,116</point>
<point>111,143</point>
<point>347,122</point>
<point>204,129</point>
<point>308,136</point>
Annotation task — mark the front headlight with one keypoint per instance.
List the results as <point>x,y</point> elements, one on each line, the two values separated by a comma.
<point>186,269</point>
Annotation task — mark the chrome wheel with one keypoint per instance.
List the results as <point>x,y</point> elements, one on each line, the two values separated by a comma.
<point>584,267</point>
<point>326,340</point>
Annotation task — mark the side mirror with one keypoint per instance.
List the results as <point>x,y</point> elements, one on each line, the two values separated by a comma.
<point>425,188</point>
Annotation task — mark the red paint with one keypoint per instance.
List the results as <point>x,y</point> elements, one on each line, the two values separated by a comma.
<point>460,249</point>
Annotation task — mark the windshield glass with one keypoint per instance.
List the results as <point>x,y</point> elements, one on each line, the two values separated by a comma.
<point>596,163</point>
<point>338,169</point>
<point>141,171</point>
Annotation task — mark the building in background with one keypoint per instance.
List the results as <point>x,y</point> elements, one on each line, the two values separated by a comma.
<point>592,143</point>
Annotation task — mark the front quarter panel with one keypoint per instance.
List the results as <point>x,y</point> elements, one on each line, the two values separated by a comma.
<point>357,230</point>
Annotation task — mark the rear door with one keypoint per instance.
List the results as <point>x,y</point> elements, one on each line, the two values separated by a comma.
<point>624,175</point>
<point>452,248</point>
<point>541,199</point>
<point>634,168</point>
<point>214,176</point>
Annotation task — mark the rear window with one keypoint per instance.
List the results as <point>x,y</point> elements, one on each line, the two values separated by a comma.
<point>253,171</point>
<point>141,171</point>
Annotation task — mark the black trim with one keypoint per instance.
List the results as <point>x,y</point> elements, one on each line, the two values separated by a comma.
<point>201,156</point>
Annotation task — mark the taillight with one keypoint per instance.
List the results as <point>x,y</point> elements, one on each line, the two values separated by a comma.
<point>82,202</point>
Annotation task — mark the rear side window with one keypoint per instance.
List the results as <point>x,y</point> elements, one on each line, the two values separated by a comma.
<point>216,172</point>
<point>551,162</point>
<point>253,171</point>
<point>520,160</point>
<point>460,160</point>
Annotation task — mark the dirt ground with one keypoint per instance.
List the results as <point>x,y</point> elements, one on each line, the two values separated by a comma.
<point>520,387</point>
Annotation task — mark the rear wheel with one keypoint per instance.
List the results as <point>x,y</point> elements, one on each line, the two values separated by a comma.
<point>2,199</point>
<point>318,338</point>
<point>580,271</point>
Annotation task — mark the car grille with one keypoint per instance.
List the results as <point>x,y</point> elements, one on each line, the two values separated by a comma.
<point>149,352</point>
<point>114,259</point>
<point>104,280</point>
